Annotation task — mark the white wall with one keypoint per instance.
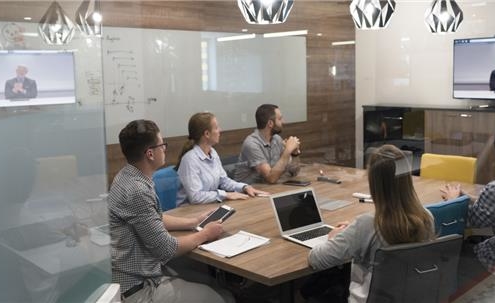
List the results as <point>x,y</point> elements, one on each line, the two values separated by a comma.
<point>405,64</point>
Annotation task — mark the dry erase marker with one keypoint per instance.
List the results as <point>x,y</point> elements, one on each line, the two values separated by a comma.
<point>365,200</point>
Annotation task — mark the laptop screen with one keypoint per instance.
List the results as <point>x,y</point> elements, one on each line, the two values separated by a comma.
<point>296,210</point>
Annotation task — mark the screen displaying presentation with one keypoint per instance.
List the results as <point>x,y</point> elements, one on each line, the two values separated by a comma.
<point>474,68</point>
<point>36,77</point>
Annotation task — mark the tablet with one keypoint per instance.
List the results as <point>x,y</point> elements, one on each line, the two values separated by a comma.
<point>221,213</point>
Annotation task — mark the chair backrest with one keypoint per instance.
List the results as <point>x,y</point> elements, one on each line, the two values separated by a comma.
<point>229,164</point>
<point>417,272</point>
<point>448,167</point>
<point>166,187</point>
<point>450,216</point>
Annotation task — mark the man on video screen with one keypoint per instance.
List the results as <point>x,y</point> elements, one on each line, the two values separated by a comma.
<point>21,87</point>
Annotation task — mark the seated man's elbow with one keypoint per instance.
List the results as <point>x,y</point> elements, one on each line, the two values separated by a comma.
<point>271,177</point>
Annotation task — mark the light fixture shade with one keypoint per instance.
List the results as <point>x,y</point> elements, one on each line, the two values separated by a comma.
<point>443,16</point>
<point>88,17</point>
<point>371,14</point>
<point>265,11</point>
<point>55,27</point>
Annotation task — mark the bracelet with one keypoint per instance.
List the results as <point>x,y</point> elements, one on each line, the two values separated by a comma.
<point>244,188</point>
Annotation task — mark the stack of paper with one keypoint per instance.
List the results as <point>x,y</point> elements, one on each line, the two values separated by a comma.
<point>235,244</point>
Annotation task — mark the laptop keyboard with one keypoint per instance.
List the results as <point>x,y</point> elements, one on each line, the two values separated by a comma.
<point>311,234</point>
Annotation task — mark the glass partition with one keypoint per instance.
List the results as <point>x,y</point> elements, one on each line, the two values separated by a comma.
<point>53,244</point>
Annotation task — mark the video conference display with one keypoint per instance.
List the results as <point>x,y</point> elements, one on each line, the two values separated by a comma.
<point>30,78</point>
<point>474,68</point>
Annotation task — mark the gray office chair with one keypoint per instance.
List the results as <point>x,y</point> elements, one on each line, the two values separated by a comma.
<point>229,163</point>
<point>417,272</point>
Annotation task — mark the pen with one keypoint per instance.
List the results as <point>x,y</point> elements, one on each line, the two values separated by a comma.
<point>366,200</point>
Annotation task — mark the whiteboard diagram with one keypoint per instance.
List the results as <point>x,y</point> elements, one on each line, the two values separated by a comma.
<point>168,75</point>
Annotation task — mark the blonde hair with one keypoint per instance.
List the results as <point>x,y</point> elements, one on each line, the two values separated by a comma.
<point>198,124</point>
<point>399,217</point>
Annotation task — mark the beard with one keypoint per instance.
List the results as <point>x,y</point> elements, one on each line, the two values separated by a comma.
<point>276,130</point>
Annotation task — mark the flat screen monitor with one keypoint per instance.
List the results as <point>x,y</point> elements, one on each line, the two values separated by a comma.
<point>474,68</point>
<point>36,77</point>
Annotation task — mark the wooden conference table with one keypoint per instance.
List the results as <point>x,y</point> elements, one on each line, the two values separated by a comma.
<point>283,261</point>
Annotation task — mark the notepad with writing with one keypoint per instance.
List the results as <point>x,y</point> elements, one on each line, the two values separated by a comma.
<point>236,244</point>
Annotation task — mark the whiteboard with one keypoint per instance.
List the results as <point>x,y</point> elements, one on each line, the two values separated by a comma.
<point>168,75</point>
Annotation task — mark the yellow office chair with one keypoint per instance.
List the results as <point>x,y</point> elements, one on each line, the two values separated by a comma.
<point>448,167</point>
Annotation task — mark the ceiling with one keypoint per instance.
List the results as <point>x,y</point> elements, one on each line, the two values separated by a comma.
<point>315,16</point>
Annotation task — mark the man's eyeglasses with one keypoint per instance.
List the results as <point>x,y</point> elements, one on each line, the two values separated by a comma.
<point>163,145</point>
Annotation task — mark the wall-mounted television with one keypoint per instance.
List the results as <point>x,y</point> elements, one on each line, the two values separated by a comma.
<point>474,68</point>
<point>36,77</point>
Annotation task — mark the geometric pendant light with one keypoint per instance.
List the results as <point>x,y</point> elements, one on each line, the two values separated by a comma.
<point>88,17</point>
<point>443,16</point>
<point>265,11</point>
<point>55,27</point>
<point>371,14</point>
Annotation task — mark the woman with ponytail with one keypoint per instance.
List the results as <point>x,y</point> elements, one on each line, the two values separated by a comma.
<point>201,174</point>
<point>399,218</point>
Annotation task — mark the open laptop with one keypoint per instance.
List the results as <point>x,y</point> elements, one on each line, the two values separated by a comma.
<point>299,218</point>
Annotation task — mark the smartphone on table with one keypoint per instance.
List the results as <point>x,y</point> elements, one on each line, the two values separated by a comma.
<point>221,213</point>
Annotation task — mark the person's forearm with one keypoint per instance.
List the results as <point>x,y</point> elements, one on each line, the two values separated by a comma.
<point>176,223</point>
<point>190,242</point>
<point>203,197</point>
<point>279,168</point>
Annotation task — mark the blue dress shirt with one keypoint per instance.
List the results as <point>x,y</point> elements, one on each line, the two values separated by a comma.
<point>203,179</point>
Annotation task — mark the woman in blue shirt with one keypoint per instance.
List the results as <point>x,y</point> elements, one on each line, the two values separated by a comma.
<point>201,174</point>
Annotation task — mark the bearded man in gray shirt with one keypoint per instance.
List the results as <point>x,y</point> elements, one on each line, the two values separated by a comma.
<point>265,156</point>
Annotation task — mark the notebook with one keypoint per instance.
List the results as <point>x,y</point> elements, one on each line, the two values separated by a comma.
<point>299,218</point>
<point>235,244</point>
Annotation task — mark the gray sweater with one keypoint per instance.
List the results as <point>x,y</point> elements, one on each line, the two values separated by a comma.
<point>358,242</point>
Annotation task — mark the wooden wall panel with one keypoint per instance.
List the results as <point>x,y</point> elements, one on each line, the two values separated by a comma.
<point>328,135</point>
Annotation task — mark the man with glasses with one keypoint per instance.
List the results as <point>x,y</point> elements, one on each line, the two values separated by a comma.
<point>140,242</point>
<point>265,156</point>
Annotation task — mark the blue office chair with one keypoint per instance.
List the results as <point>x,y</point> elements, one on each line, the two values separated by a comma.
<point>450,216</point>
<point>166,187</point>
